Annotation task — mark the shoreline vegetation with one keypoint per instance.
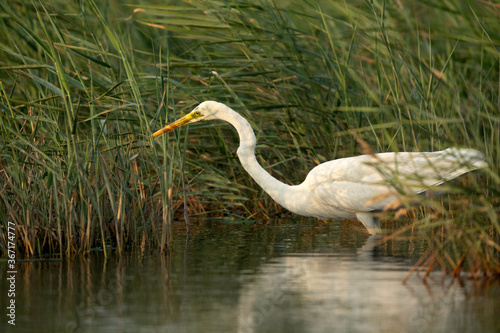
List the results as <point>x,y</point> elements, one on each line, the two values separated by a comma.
<point>84,85</point>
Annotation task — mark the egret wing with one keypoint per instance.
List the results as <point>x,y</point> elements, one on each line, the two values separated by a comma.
<point>372,182</point>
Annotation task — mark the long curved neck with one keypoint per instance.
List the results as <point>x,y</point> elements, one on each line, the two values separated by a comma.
<point>246,154</point>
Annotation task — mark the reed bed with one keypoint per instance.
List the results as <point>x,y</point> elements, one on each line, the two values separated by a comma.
<point>84,84</point>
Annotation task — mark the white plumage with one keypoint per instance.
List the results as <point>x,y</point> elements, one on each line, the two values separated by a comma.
<point>347,188</point>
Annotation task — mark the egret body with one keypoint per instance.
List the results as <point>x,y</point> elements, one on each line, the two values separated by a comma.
<point>346,188</point>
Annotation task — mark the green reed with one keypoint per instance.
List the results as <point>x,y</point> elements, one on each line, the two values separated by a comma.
<point>83,86</point>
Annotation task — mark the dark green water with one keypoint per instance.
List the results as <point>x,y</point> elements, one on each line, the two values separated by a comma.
<point>277,277</point>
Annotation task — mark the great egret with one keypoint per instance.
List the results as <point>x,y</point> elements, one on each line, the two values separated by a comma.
<point>346,188</point>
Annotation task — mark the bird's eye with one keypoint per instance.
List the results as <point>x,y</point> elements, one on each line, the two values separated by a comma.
<point>197,114</point>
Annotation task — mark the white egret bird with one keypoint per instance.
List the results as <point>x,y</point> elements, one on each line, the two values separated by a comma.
<point>346,188</point>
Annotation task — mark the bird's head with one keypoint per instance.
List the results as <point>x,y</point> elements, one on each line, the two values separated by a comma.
<point>205,111</point>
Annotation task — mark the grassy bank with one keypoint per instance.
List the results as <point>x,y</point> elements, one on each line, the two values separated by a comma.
<point>83,86</point>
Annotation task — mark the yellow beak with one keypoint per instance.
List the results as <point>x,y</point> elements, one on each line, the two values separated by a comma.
<point>176,124</point>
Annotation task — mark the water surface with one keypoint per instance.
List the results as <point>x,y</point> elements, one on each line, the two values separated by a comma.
<point>276,277</point>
